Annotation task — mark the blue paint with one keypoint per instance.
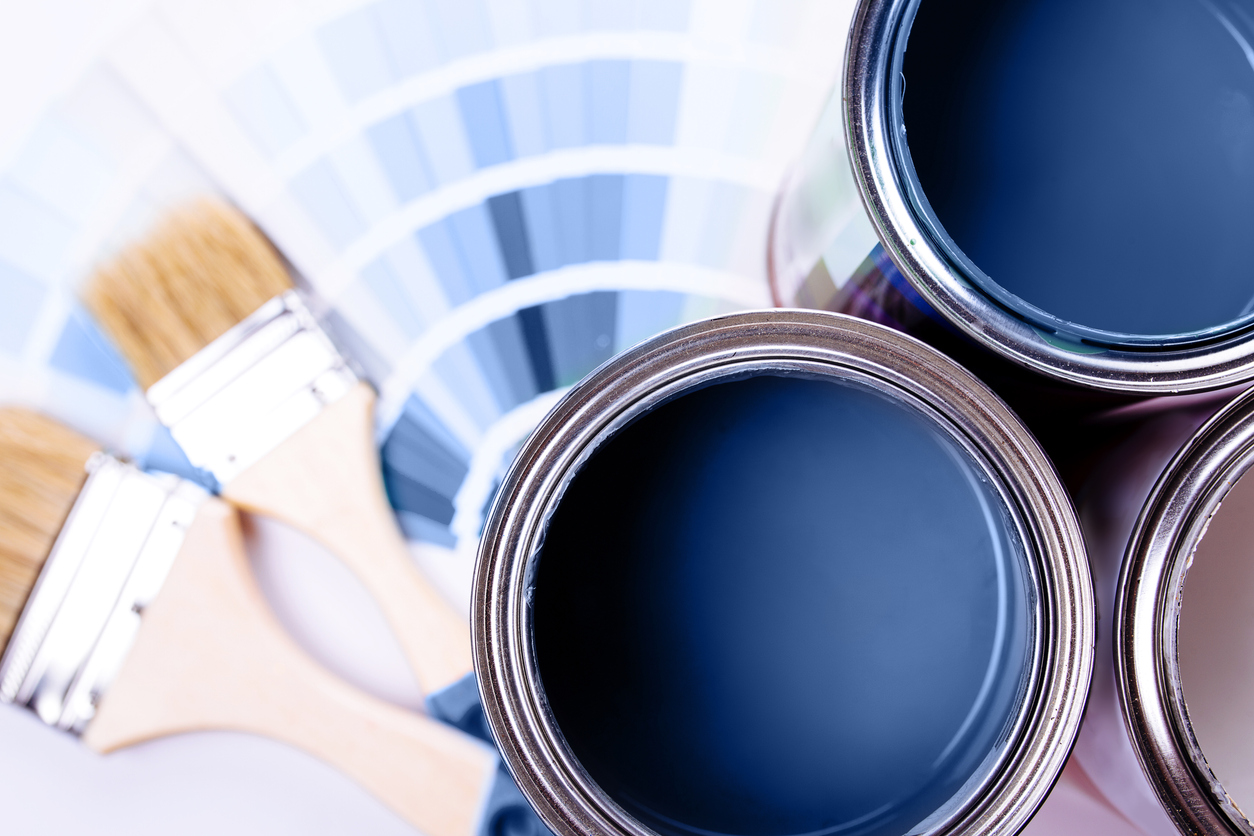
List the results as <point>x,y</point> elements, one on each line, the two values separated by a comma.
<point>779,606</point>
<point>1095,158</point>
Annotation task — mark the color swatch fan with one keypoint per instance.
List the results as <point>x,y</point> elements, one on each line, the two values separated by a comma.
<point>495,197</point>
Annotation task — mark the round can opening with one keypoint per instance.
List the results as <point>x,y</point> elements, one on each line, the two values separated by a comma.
<point>780,573</point>
<point>1087,165</point>
<point>782,604</point>
<point>1215,632</point>
<point>1183,626</point>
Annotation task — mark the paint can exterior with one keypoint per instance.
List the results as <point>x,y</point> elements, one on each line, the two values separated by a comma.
<point>1033,746</point>
<point>1151,585</point>
<point>916,279</point>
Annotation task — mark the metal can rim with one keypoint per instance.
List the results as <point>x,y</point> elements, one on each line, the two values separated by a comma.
<point>562,793</point>
<point>1224,360</point>
<point>1147,609</point>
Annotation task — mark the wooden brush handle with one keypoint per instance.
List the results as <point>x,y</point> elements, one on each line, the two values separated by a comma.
<point>325,480</point>
<point>210,655</point>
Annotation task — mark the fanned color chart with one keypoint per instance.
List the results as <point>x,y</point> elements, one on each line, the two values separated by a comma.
<point>490,198</point>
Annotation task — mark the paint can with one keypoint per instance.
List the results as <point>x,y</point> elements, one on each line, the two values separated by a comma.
<point>1156,637</point>
<point>1012,226</point>
<point>628,696</point>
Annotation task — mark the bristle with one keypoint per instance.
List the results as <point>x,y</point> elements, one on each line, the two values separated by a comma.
<point>41,473</point>
<point>201,271</point>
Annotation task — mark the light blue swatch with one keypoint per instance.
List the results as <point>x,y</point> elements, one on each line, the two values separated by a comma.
<point>640,314</point>
<point>409,36</point>
<point>644,209</point>
<point>383,283</point>
<point>319,190</point>
<point>524,106</point>
<point>581,333</point>
<point>83,352</point>
<point>22,297</point>
<point>438,124</point>
<point>609,15</point>
<point>354,50</point>
<point>563,88</point>
<point>605,214</point>
<point>664,15</point>
<point>262,106</point>
<point>473,234</point>
<point>570,204</point>
<point>463,26</point>
<point>396,145</point>
<point>653,102</point>
<point>481,110</point>
<point>542,227</point>
<point>609,83</point>
<point>557,17</point>
<point>442,251</point>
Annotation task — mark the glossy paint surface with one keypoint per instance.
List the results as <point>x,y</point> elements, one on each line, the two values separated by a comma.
<point>1094,158</point>
<point>782,605</point>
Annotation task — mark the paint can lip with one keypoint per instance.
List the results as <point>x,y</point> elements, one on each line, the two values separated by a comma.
<point>796,342</point>
<point>947,280</point>
<point>1147,611</point>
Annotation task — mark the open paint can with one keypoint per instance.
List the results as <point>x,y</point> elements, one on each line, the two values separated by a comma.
<point>780,573</point>
<point>1067,185</point>
<point>1184,628</point>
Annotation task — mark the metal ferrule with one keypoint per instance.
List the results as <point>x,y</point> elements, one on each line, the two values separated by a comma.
<point>1147,617</point>
<point>250,389</point>
<point>108,562</point>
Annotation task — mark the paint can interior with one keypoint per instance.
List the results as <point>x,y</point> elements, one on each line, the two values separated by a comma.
<point>1184,623</point>
<point>782,573</point>
<point>1068,185</point>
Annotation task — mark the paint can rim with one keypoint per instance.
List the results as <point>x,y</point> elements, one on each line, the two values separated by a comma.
<point>992,317</point>
<point>1147,614</point>
<point>788,342</point>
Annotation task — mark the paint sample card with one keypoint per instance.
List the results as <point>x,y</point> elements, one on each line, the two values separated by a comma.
<point>493,198</point>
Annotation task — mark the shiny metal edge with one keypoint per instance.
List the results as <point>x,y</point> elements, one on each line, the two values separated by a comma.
<point>871,149</point>
<point>107,563</point>
<point>1147,612</point>
<point>252,388</point>
<point>563,794</point>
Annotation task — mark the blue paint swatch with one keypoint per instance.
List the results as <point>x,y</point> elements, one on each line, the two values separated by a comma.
<point>82,351</point>
<point>782,605</point>
<point>423,468</point>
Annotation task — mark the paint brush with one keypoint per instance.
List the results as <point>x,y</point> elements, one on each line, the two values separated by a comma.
<point>256,394</point>
<point>128,612</point>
